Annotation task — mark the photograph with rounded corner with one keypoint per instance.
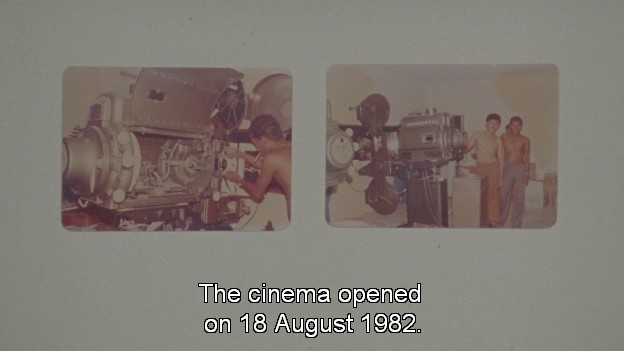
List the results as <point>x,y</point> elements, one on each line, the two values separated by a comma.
<point>176,149</point>
<point>442,146</point>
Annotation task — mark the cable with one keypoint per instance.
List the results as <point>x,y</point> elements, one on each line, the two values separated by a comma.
<point>434,214</point>
<point>428,199</point>
<point>227,185</point>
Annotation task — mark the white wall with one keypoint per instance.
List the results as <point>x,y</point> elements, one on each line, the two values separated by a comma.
<point>533,96</point>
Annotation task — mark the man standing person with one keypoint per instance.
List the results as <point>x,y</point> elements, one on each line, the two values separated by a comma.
<point>274,162</point>
<point>504,215</point>
<point>489,150</point>
<point>517,150</point>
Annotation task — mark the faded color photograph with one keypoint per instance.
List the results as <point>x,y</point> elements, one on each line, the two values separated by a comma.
<point>176,149</point>
<point>434,146</point>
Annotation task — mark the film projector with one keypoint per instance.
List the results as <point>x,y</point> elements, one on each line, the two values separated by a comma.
<point>413,152</point>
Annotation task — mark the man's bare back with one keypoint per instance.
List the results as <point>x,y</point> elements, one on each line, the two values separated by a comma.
<point>280,161</point>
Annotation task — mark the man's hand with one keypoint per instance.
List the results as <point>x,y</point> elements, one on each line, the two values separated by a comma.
<point>348,178</point>
<point>232,176</point>
<point>232,152</point>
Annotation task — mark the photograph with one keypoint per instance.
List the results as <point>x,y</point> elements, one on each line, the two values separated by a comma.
<point>436,146</point>
<point>176,149</point>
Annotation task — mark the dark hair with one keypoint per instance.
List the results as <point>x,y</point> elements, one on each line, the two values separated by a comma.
<point>265,125</point>
<point>515,119</point>
<point>493,116</point>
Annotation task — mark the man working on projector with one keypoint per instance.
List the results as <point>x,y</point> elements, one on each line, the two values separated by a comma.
<point>517,149</point>
<point>489,162</point>
<point>274,161</point>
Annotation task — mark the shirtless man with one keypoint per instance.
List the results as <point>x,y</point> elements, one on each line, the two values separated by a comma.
<point>504,215</point>
<point>489,150</point>
<point>517,150</point>
<point>275,162</point>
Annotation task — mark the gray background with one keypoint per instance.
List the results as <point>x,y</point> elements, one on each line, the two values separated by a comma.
<point>554,289</point>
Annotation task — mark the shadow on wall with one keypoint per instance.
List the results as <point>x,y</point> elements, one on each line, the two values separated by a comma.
<point>534,95</point>
<point>347,85</point>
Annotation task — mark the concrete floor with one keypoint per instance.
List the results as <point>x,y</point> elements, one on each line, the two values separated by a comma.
<point>534,218</point>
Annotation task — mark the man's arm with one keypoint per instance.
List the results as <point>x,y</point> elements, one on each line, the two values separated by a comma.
<point>254,161</point>
<point>256,190</point>
<point>471,143</point>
